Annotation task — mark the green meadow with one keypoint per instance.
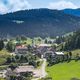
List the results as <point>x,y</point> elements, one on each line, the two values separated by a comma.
<point>64,71</point>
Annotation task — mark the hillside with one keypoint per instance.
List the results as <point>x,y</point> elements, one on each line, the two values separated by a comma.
<point>64,71</point>
<point>74,12</point>
<point>38,22</point>
<point>72,42</point>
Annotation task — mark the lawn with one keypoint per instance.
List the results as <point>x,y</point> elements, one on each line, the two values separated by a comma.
<point>64,71</point>
<point>3,55</point>
<point>2,79</point>
<point>76,51</point>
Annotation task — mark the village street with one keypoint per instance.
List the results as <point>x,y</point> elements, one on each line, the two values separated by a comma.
<point>43,67</point>
<point>42,72</point>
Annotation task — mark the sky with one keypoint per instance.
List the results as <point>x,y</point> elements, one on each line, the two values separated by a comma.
<point>7,6</point>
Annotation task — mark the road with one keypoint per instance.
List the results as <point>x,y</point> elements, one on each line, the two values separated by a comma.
<point>43,69</point>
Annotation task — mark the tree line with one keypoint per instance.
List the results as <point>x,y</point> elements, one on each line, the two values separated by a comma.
<point>52,60</point>
<point>73,42</point>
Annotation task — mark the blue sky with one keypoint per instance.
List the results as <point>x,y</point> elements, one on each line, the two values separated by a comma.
<point>44,3</point>
<point>7,6</point>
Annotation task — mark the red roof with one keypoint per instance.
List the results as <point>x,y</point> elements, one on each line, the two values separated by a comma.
<point>20,47</point>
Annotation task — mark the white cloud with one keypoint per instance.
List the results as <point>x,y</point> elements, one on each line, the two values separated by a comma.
<point>13,5</point>
<point>62,5</point>
<point>3,8</point>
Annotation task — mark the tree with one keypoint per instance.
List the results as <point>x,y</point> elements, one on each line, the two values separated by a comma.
<point>10,46</point>
<point>13,66</point>
<point>29,48</point>
<point>9,60</point>
<point>59,40</point>
<point>12,77</point>
<point>13,59</point>
<point>38,63</point>
<point>39,39</point>
<point>70,55</point>
<point>66,57</point>
<point>46,41</point>
<point>54,47</point>
<point>77,57</point>
<point>23,37</point>
<point>1,44</point>
<point>62,47</point>
<point>17,57</point>
<point>26,59</point>
<point>73,42</point>
<point>18,38</point>
<point>23,59</point>
<point>26,76</point>
<point>33,63</point>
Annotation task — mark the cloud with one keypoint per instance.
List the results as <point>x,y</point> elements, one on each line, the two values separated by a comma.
<point>62,5</point>
<point>12,6</point>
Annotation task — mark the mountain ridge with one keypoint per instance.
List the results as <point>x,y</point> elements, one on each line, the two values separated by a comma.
<point>74,12</point>
<point>38,22</point>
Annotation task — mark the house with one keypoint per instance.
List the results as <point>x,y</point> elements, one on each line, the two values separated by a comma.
<point>22,69</point>
<point>48,53</point>
<point>60,55</point>
<point>41,49</point>
<point>21,49</point>
<point>54,57</point>
<point>3,73</point>
<point>44,45</point>
<point>53,54</point>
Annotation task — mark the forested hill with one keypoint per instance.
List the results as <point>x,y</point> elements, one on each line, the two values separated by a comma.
<point>74,12</point>
<point>72,42</point>
<point>38,22</point>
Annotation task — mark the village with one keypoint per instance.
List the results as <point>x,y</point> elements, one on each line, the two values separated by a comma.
<point>34,68</point>
<point>39,39</point>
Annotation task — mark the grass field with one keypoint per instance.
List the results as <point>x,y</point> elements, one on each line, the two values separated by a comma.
<point>76,51</point>
<point>3,55</point>
<point>64,71</point>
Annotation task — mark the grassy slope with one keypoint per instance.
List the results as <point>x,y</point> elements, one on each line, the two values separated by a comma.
<point>4,52</point>
<point>76,51</point>
<point>3,56</point>
<point>64,71</point>
<point>2,79</point>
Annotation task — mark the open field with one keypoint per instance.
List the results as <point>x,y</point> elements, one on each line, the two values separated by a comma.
<point>64,71</point>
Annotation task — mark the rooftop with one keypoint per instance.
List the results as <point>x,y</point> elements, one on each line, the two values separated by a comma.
<point>21,47</point>
<point>24,69</point>
<point>44,45</point>
<point>59,53</point>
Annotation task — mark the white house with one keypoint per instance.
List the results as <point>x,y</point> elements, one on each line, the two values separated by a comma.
<point>21,49</point>
<point>3,73</point>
